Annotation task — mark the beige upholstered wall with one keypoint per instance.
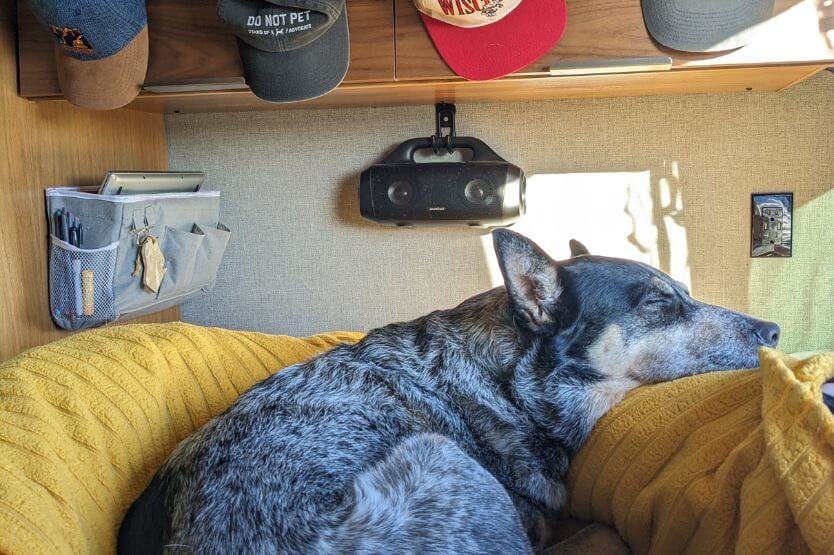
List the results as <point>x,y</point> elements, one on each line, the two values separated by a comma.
<point>666,180</point>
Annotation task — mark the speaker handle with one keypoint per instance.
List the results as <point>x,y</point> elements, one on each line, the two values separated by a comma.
<point>404,152</point>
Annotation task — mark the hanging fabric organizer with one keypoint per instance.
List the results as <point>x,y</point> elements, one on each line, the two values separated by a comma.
<point>99,281</point>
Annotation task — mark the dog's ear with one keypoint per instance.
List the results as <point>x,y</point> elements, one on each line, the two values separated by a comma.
<point>577,248</point>
<point>531,277</point>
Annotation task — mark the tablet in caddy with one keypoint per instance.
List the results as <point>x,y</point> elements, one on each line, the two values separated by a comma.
<point>143,183</point>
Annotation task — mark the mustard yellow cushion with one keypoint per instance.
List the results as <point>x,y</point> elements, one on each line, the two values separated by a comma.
<point>85,421</point>
<point>718,463</point>
<point>702,464</point>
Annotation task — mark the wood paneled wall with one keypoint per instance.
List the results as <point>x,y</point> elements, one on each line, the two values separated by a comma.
<point>46,144</point>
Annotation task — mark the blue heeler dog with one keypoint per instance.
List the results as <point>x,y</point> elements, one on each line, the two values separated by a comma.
<point>448,434</point>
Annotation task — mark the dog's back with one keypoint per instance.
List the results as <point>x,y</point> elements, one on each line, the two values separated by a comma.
<point>280,458</point>
<point>277,471</point>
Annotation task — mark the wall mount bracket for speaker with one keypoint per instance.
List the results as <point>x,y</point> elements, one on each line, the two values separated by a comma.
<point>482,192</point>
<point>444,118</point>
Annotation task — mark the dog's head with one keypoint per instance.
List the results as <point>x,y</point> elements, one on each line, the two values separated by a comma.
<point>623,318</point>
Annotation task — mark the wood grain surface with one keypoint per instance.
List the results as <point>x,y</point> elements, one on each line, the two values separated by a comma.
<point>501,90</point>
<point>46,144</point>
<point>189,44</point>
<point>799,32</point>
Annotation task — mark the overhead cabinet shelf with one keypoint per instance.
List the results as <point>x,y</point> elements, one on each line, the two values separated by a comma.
<point>194,64</point>
<point>190,48</point>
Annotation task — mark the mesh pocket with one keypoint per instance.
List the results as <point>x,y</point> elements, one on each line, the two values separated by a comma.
<point>81,285</point>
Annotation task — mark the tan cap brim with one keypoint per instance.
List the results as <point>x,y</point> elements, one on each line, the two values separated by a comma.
<point>107,83</point>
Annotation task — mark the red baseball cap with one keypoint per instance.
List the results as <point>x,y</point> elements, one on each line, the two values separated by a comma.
<point>487,39</point>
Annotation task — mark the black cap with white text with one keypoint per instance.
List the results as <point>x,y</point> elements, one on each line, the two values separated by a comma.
<point>291,50</point>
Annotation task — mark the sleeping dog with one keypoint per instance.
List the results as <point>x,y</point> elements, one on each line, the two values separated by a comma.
<point>448,434</point>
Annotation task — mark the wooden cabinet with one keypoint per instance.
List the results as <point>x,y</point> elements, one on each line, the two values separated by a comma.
<point>799,33</point>
<point>194,65</point>
<point>191,49</point>
<point>46,144</point>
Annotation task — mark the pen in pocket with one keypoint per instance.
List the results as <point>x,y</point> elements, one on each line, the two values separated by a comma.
<point>68,228</point>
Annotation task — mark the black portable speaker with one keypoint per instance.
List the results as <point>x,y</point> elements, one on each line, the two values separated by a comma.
<point>484,191</point>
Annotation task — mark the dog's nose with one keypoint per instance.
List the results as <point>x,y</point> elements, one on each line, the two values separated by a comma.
<point>768,334</point>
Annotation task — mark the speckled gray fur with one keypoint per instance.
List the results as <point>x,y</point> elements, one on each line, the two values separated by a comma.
<point>448,434</point>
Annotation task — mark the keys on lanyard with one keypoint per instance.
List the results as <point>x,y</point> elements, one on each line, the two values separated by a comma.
<point>149,262</point>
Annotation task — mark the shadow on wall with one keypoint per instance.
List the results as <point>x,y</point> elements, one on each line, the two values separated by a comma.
<point>635,214</point>
<point>346,206</point>
<point>698,238</point>
<point>303,260</point>
<point>825,13</point>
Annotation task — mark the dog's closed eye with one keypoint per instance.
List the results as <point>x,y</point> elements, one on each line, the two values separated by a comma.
<point>661,293</point>
<point>656,300</point>
<point>659,297</point>
<point>659,303</point>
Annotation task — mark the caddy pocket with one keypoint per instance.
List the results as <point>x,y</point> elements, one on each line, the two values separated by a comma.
<point>81,285</point>
<point>180,249</point>
<point>210,254</point>
<point>92,286</point>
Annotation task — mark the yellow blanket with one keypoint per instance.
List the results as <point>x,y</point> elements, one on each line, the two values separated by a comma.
<point>705,463</point>
<point>718,463</point>
<point>85,422</point>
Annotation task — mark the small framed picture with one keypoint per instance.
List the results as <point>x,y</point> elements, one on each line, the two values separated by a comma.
<point>771,225</point>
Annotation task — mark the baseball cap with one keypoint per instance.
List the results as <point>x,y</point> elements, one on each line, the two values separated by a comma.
<point>487,39</point>
<point>705,25</point>
<point>101,49</point>
<point>291,50</point>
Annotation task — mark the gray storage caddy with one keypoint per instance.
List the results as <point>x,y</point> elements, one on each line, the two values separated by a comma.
<point>93,285</point>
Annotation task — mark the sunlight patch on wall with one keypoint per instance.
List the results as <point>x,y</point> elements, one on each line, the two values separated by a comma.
<point>620,214</point>
<point>796,292</point>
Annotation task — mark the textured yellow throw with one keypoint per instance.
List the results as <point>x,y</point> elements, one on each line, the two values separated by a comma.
<point>703,464</point>
<point>719,463</point>
<point>85,422</point>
